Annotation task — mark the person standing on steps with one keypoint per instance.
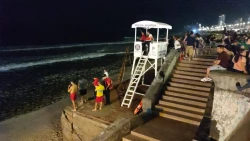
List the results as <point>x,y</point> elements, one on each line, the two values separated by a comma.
<point>72,89</point>
<point>190,41</point>
<point>99,96</point>
<point>82,87</point>
<point>108,86</point>
<point>177,46</point>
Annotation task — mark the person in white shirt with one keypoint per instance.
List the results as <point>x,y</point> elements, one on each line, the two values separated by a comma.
<point>106,73</point>
<point>177,46</point>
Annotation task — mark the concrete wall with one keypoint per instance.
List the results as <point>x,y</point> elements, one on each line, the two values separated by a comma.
<point>229,106</point>
<point>153,92</point>
<point>122,127</point>
<point>242,131</point>
<point>78,127</point>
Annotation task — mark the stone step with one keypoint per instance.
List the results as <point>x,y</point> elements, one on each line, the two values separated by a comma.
<point>193,122</point>
<point>185,96</point>
<point>187,77</point>
<point>184,101</point>
<point>187,91</point>
<point>198,83</point>
<point>131,137</point>
<point>165,107</point>
<point>190,86</point>
<point>144,136</point>
<point>189,73</point>
<point>203,59</point>
<point>180,113</point>
<point>192,66</point>
<point>191,69</point>
<point>190,108</point>
<point>165,129</point>
<point>197,62</point>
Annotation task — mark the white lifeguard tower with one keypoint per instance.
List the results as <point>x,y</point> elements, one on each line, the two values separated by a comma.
<point>157,50</point>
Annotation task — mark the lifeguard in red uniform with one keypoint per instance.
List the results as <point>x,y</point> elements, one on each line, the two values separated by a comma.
<point>149,38</point>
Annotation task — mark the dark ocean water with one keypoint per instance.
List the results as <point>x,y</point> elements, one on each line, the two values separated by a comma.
<point>33,77</point>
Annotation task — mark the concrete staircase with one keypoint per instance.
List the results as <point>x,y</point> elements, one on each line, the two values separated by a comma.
<point>182,106</point>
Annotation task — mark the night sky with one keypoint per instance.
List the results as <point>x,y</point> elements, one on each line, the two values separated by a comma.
<point>26,22</point>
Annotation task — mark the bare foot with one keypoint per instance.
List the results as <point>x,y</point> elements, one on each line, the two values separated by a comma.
<point>74,110</point>
<point>94,110</point>
<point>100,108</point>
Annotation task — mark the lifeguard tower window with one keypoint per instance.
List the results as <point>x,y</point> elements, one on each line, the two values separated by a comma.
<point>153,32</point>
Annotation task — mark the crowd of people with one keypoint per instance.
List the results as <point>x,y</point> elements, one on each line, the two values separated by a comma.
<point>233,52</point>
<point>101,92</point>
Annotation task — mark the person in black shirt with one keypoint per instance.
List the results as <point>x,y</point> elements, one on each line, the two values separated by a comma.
<point>190,41</point>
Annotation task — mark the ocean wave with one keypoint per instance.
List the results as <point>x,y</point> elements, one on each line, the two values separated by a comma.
<point>13,66</point>
<point>63,46</point>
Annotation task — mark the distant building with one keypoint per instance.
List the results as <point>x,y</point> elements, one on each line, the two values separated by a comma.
<point>222,19</point>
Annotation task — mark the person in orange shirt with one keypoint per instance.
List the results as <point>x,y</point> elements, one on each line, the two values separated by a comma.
<point>72,89</point>
<point>149,39</point>
<point>240,62</point>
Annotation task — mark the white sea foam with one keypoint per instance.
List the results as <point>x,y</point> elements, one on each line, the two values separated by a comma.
<point>51,61</point>
<point>62,46</point>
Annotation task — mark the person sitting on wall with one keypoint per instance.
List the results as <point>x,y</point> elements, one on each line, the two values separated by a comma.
<point>221,63</point>
<point>239,61</point>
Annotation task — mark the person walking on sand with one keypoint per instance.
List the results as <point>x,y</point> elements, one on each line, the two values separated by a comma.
<point>72,89</point>
<point>99,96</point>
<point>82,87</point>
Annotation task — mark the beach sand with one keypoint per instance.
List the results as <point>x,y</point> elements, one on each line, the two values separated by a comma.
<point>43,124</point>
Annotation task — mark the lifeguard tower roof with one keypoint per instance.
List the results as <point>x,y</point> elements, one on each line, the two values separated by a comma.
<point>151,24</point>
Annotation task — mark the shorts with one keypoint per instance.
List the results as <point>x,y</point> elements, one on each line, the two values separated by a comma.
<point>73,96</point>
<point>99,99</point>
<point>217,67</point>
<point>83,92</point>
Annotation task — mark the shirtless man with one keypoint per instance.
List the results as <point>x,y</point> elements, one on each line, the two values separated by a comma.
<point>72,89</point>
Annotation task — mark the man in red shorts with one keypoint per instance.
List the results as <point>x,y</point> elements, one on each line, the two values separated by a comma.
<point>72,89</point>
<point>99,96</point>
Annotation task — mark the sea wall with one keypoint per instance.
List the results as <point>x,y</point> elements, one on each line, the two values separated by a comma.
<point>153,92</point>
<point>230,107</point>
<point>79,127</point>
<point>122,127</point>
